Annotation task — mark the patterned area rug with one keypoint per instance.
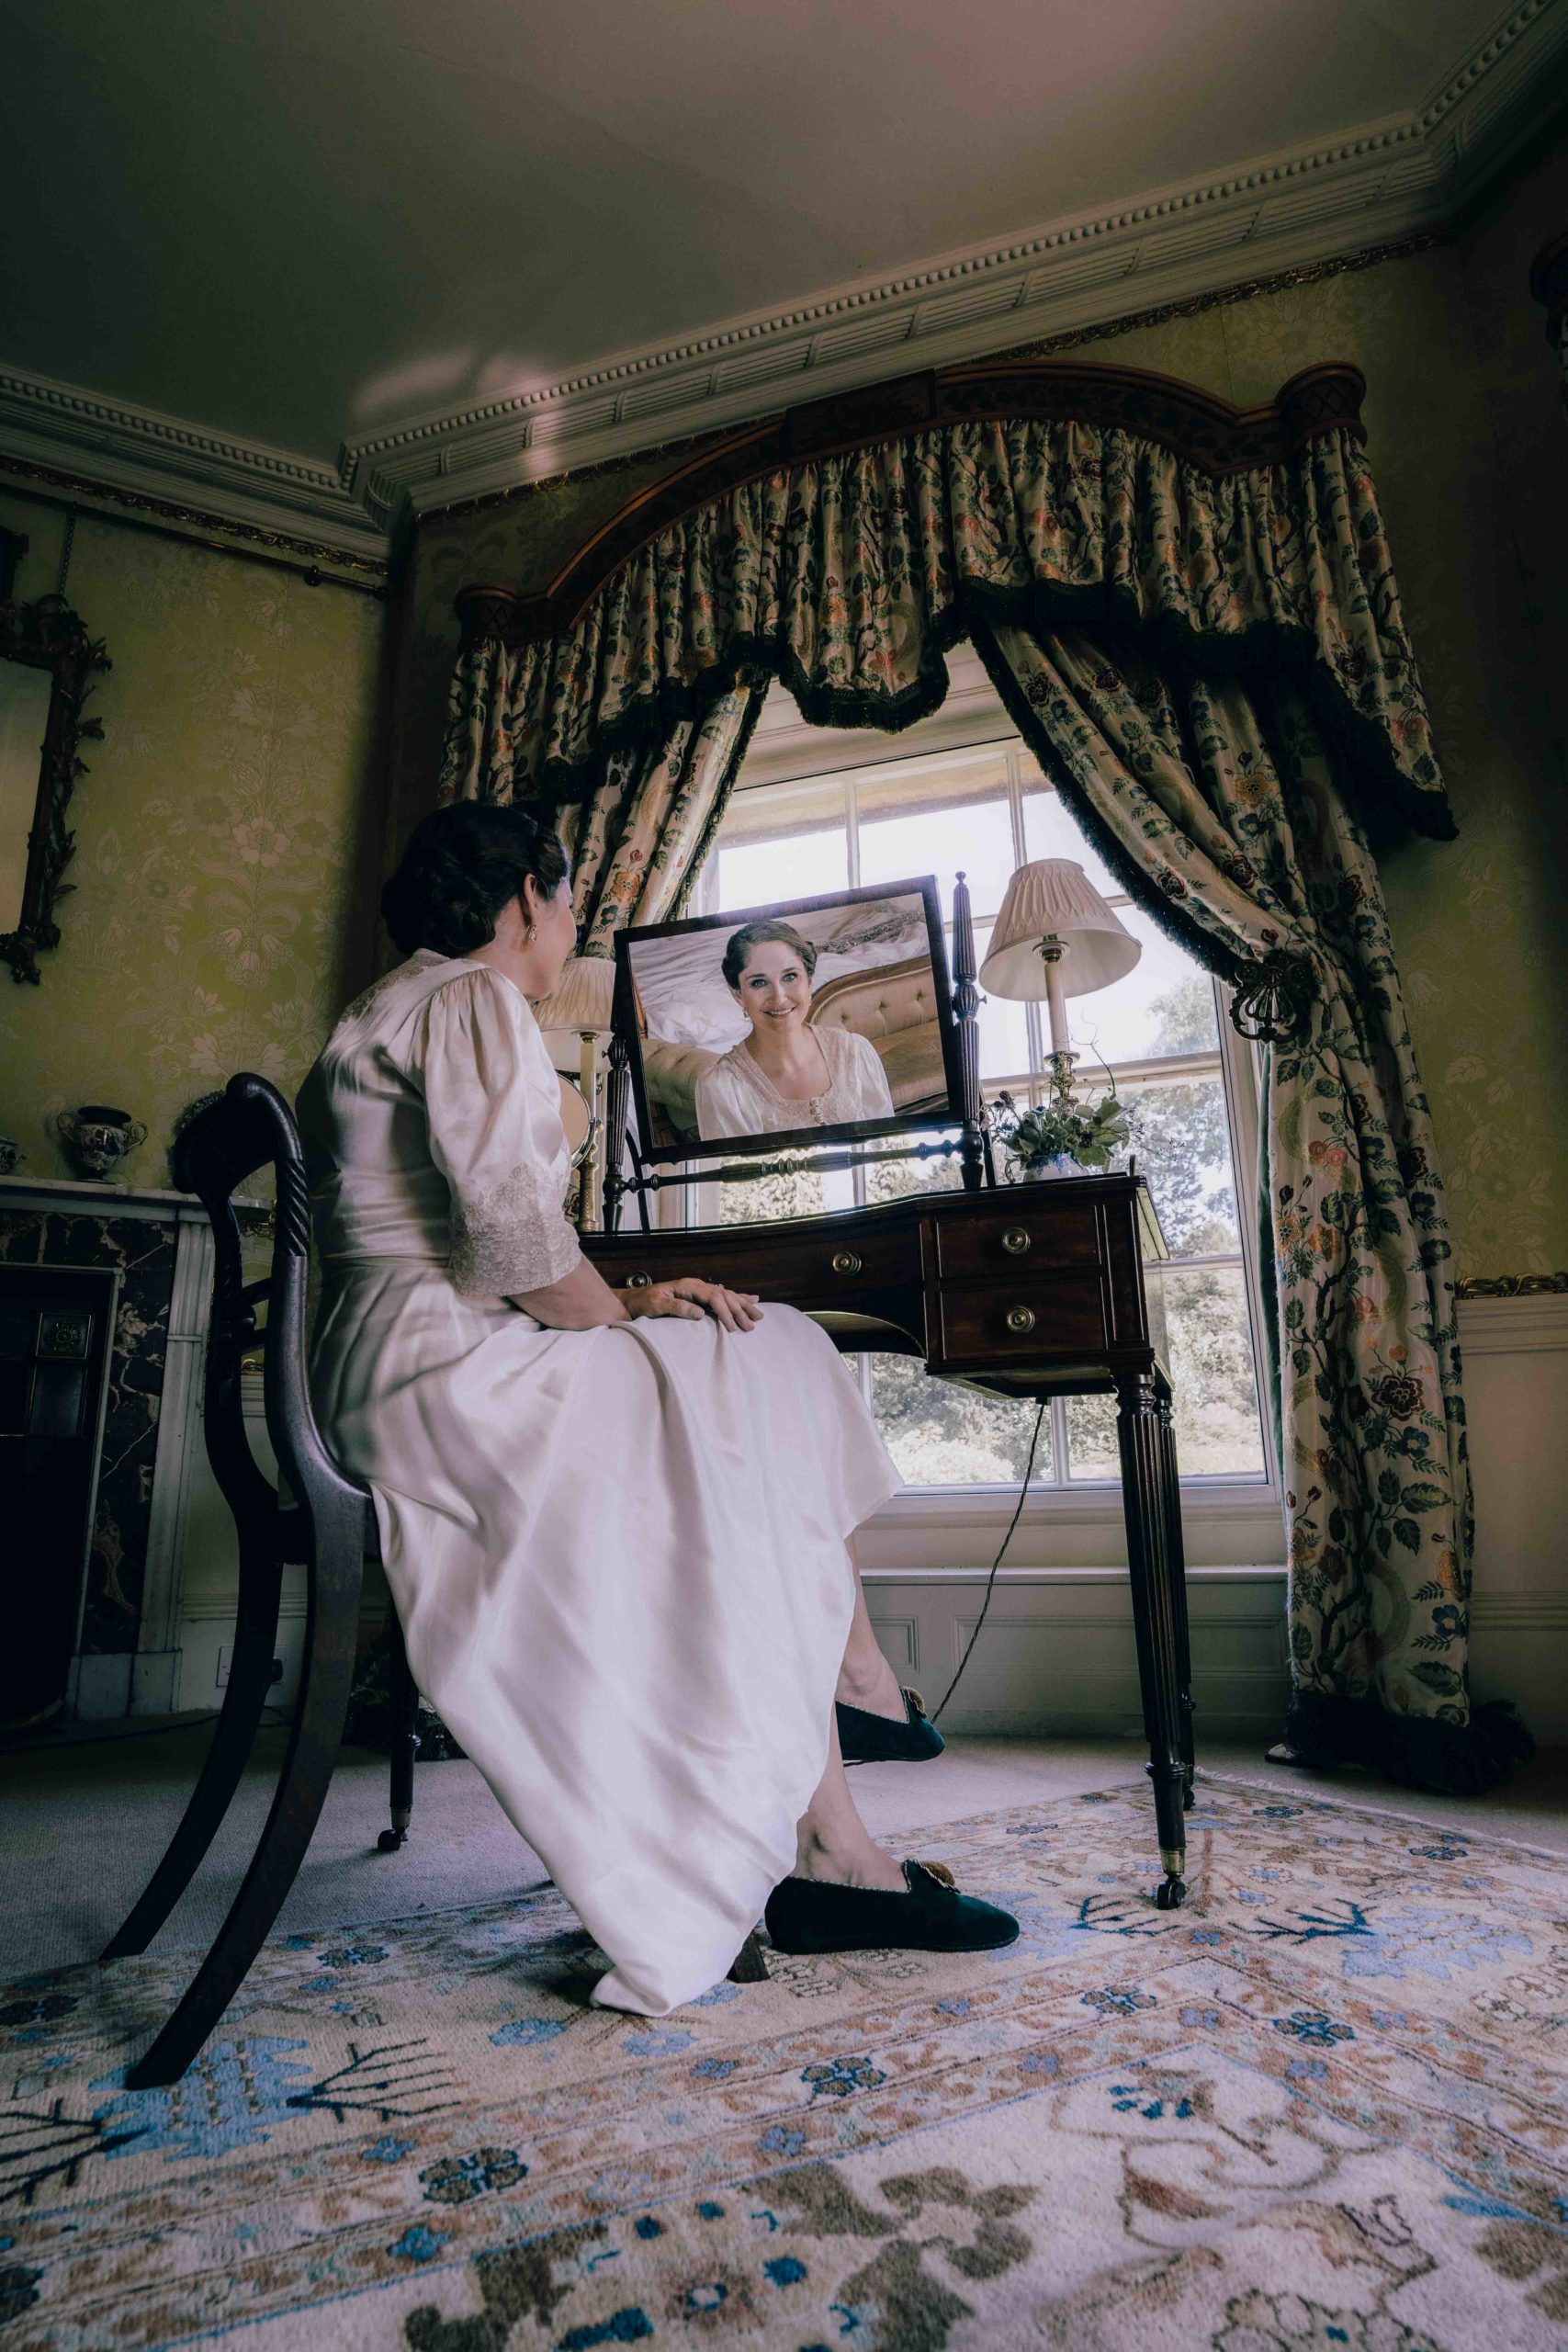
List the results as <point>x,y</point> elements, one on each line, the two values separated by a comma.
<point>1317,2109</point>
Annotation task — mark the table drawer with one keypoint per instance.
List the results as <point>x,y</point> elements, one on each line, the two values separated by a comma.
<point>1041,1237</point>
<point>1002,1323</point>
<point>834,1270</point>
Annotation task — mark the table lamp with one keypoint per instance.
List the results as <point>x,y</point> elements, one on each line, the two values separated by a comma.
<point>1055,938</point>
<point>575,1022</point>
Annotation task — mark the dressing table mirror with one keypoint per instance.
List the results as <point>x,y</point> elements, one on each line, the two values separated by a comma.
<point>810,1023</point>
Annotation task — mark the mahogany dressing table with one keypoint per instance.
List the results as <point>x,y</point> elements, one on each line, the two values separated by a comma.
<point>1024,1290</point>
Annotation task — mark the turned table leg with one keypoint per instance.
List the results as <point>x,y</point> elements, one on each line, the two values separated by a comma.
<point>1176,1568</point>
<point>1147,1462</point>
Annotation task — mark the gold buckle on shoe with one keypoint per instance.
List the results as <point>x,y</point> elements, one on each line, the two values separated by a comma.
<point>938,1870</point>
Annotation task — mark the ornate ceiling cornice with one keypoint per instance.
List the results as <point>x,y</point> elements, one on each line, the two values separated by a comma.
<point>1375,185</point>
<point>1378,183</point>
<point>222,476</point>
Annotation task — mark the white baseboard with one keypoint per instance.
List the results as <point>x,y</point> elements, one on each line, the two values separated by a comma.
<point>1057,1653</point>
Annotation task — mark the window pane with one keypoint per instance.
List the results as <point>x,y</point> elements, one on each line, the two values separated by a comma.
<point>1004,1023</point>
<point>940,1434</point>
<point>1155,1009</point>
<point>763,812</point>
<point>783,842</point>
<point>1051,831</point>
<point>1181,1140</point>
<point>801,1191</point>
<point>1215,1394</point>
<point>895,1180</point>
<point>1091,1438</point>
<point>941,823</point>
<point>1217,1431</point>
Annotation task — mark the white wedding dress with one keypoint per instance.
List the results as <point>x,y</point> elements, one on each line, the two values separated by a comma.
<point>618,1555</point>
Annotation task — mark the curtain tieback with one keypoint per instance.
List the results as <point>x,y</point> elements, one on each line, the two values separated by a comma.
<point>1273,1000</point>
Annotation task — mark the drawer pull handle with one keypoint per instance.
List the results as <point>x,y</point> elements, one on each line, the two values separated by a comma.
<point>1020,1318</point>
<point>845,1262</point>
<point>639,1282</point>
<point>1015,1241</point>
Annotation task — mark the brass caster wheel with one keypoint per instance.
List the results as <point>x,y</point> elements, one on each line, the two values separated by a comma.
<point>1170,1894</point>
<point>390,1839</point>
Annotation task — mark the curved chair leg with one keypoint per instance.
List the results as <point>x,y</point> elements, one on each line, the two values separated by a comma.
<point>324,1682</point>
<point>750,1965</point>
<point>402,1736</point>
<point>250,1679</point>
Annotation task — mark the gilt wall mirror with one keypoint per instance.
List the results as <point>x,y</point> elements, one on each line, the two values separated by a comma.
<point>728,1016</point>
<point>48,664</point>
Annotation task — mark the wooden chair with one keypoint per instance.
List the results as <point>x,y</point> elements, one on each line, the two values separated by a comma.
<point>328,1523</point>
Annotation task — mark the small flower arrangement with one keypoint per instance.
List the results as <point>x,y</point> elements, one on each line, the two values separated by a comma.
<point>1059,1135</point>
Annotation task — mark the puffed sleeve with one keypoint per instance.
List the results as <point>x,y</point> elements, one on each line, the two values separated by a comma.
<point>492,1103</point>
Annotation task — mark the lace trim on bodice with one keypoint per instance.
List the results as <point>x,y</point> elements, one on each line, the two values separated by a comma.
<point>510,1238</point>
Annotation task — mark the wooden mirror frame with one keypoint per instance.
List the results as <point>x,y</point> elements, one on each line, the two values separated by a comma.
<point>49,635</point>
<point>871,1134</point>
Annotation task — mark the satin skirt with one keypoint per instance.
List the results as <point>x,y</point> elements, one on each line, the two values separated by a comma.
<point>619,1561</point>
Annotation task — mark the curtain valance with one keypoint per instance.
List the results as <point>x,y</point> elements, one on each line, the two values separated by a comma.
<point>849,574</point>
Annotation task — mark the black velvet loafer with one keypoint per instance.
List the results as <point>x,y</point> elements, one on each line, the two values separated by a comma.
<point>880,1739</point>
<point>804,1915</point>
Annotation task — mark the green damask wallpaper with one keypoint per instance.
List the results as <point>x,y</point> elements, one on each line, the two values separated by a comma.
<point>1468,441</point>
<point>226,834</point>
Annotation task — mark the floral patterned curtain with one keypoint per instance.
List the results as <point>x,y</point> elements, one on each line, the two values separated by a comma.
<point>638,843</point>
<point>1213,665</point>
<point>1225,795</point>
<point>848,576</point>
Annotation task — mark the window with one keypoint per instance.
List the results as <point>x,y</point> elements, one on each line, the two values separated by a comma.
<point>1186,1079</point>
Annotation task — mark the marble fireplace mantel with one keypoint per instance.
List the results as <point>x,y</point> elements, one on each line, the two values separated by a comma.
<point>152,1450</point>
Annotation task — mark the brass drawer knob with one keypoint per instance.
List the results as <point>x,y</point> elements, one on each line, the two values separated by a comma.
<point>639,1282</point>
<point>1015,1240</point>
<point>845,1262</point>
<point>1020,1318</point>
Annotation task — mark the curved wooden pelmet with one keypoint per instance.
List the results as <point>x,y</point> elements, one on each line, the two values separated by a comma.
<point>1197,426</point>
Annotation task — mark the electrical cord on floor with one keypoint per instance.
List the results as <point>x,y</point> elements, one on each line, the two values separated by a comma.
<point>996,1564</point>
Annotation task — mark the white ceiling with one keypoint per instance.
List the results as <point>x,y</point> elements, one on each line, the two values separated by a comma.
<point>306,220</point>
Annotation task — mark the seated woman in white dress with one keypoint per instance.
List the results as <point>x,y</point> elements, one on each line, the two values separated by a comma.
<point>784,1073</point>
<point>614,1523</point>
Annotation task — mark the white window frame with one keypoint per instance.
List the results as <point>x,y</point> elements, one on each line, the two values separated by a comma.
<point>1230,1521</point>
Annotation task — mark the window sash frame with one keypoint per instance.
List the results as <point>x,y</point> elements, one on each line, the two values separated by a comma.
<point>1224,1497</point>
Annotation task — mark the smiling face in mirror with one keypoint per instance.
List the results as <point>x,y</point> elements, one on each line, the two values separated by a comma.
<point>768,969</point>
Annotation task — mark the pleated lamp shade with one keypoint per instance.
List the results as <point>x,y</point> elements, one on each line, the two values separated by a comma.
<point>1053,897</point>
<point>581,1003</point>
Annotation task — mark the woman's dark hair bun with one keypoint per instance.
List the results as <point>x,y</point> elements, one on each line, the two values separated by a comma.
<point>462,865</point>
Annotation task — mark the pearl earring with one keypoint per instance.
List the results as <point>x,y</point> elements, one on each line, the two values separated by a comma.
<point>530,932</point>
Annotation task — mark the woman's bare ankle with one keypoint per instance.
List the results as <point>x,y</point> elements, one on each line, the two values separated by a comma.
<point>872,1687</point>
<point>846,1861</point>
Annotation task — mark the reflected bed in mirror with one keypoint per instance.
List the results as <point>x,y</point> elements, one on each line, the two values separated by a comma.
<point>816,1020</point>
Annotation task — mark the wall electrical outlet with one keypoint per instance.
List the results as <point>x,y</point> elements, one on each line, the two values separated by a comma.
<point>225,1659</point>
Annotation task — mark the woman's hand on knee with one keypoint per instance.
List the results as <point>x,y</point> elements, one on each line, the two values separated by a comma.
<point>691,1299</point>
